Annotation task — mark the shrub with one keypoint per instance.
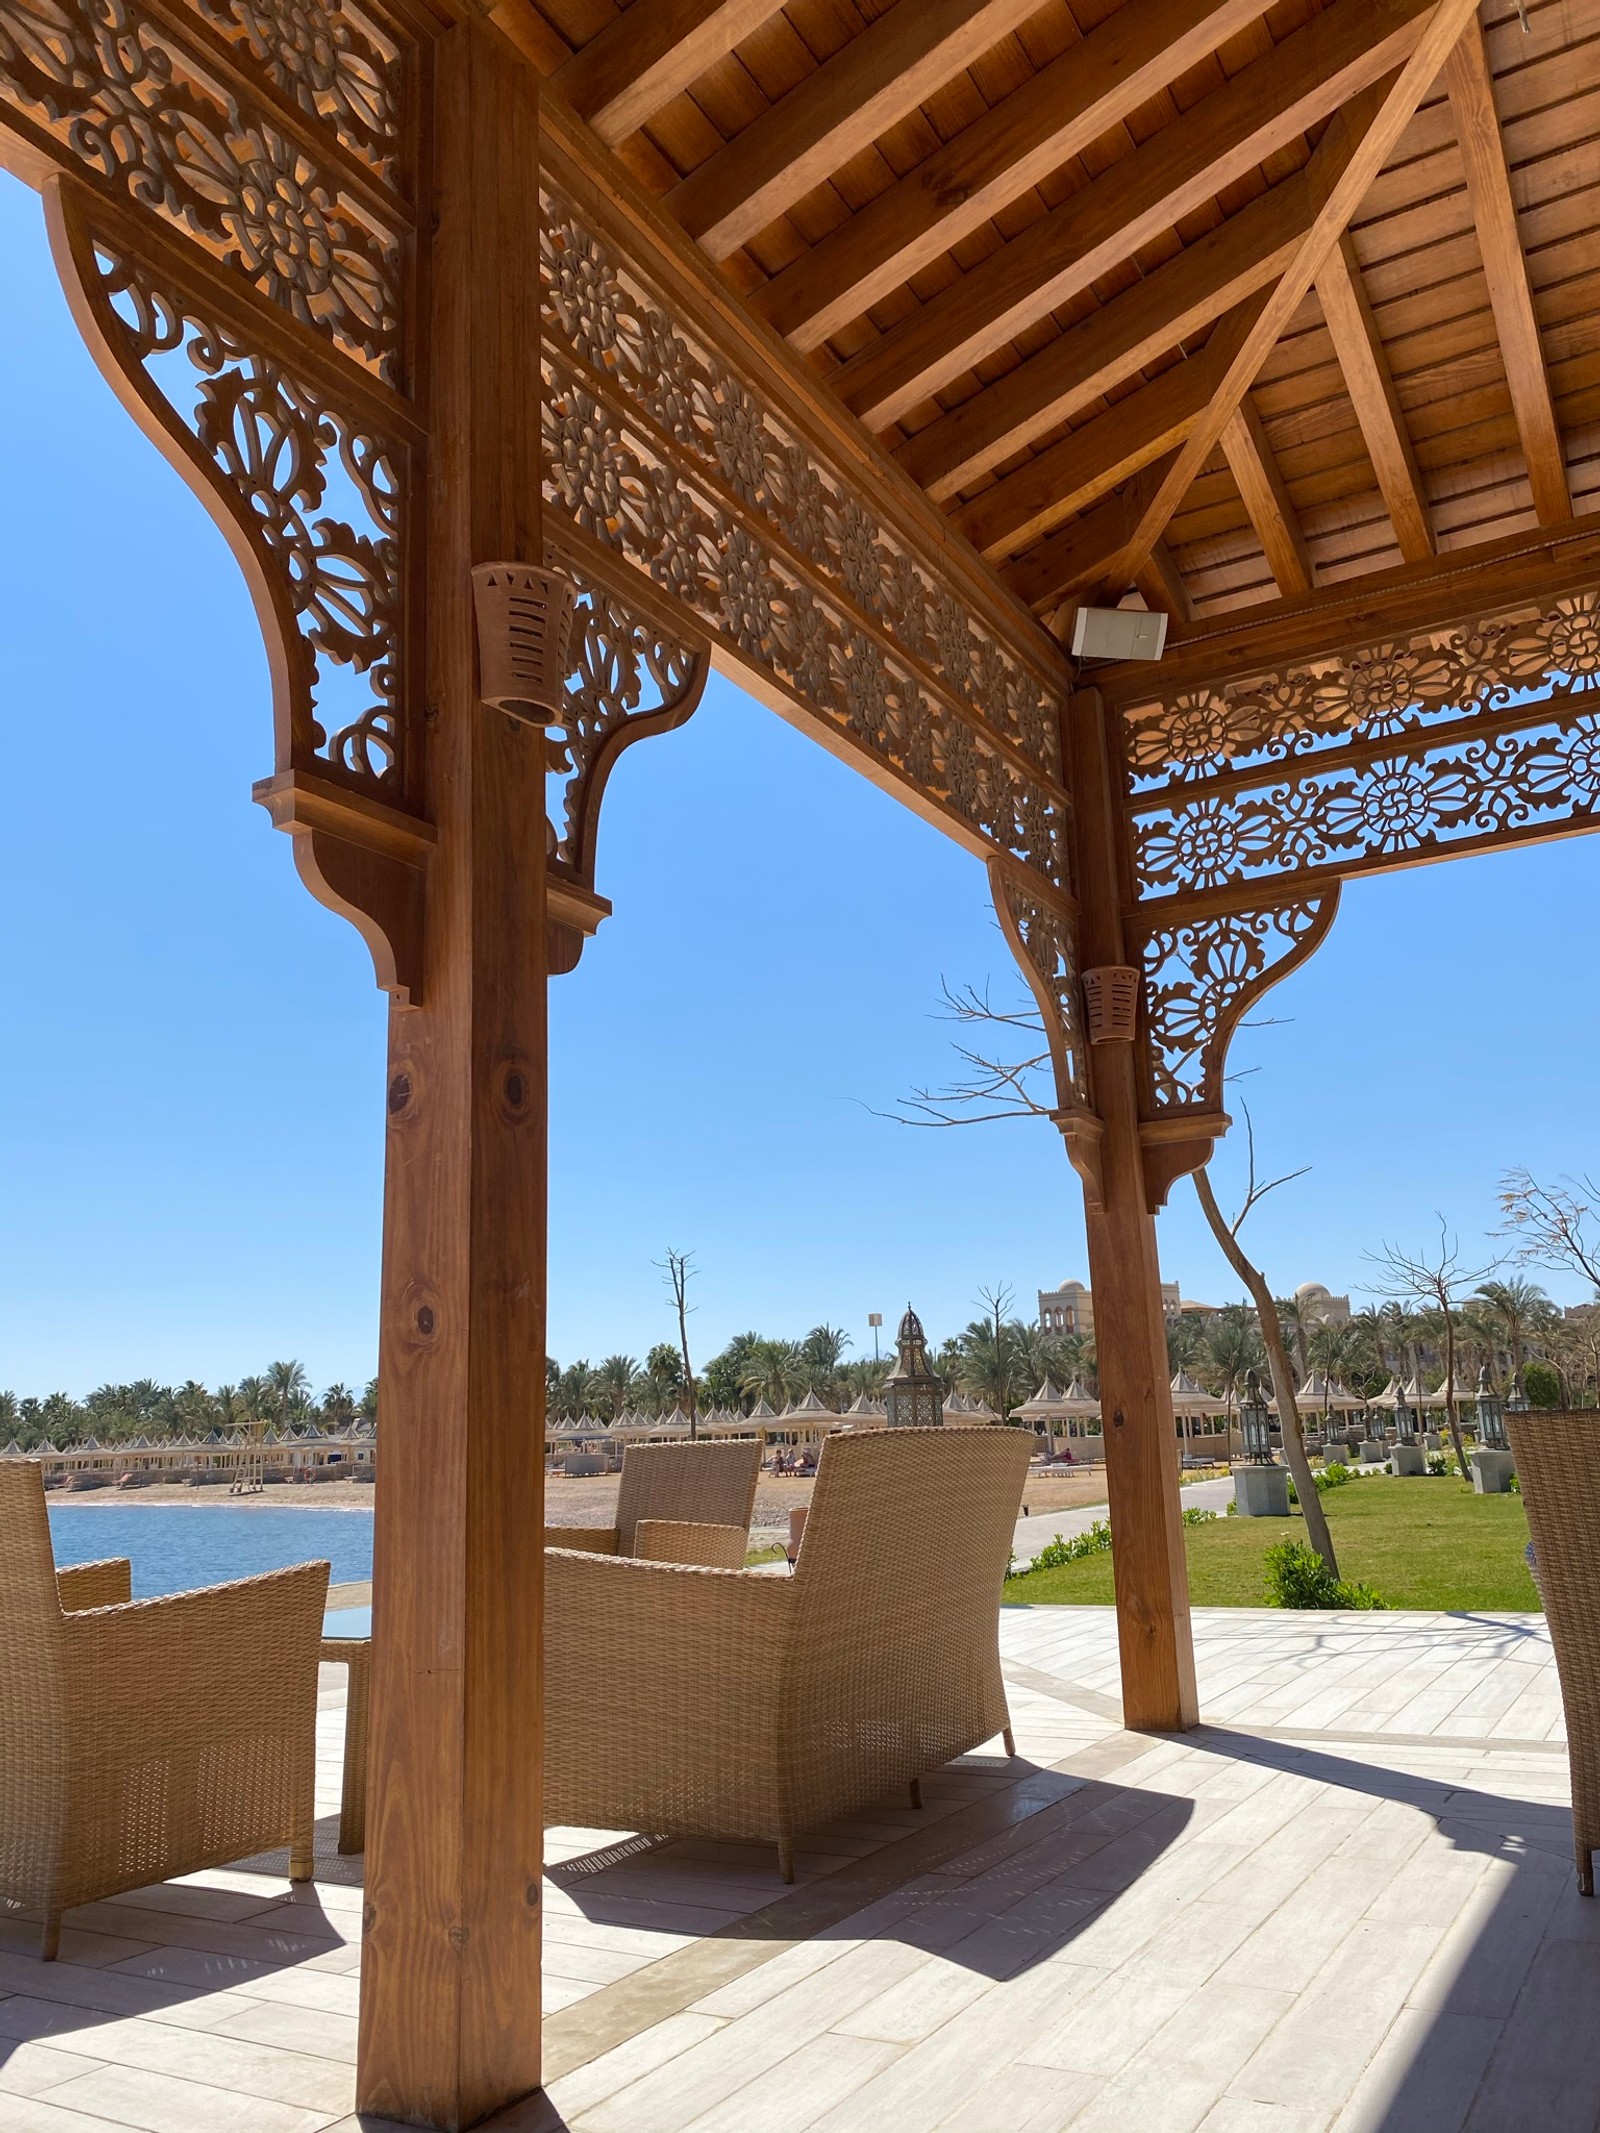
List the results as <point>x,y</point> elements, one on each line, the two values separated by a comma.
<point>1298,1577</point>
<point>1095,1542</point>
<point>1542,1385</point>
<point>1334,1475</point>
<point>1196,1516</point>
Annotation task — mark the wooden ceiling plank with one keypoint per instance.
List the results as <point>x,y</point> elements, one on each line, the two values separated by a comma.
<point>1073,558</point>
<point>1348,157</point>
<point>1165,308</point>
<point>1254,466</point>
<point>1105,451</point>
<point>1471,88</point>
<point>1162,584</point>
<point>1360,352</point>
<point>865,88</point>
<point>1266,105</point>
<point>1022,139</point>
<point>648,55</point>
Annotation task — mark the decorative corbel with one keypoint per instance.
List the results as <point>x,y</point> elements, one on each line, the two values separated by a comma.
<point>1041,933</point>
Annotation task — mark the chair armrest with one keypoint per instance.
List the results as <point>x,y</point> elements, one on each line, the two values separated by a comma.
<point>236,1657</point>
<point>104,1584</point>
<point>681,1540</point>
<point>589,1540</point>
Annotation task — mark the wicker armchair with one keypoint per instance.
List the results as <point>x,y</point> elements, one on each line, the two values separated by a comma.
<point>691,1702</point>
<point>1558,1465</point>
<point>678,1503</point>
<point>145,1738</point>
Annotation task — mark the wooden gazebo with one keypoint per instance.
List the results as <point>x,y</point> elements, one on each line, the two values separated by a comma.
<point>856,345</point>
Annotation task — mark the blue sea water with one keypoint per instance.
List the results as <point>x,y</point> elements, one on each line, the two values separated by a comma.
<point>174,1547</point>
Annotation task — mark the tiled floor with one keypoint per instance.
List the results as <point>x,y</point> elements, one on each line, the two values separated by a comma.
<point>1346,1905</point>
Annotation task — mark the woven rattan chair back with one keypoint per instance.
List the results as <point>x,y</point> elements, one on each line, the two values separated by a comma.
<point>897,1586</point>
<point>700,1484</point>
<point>32,1698</point>
<point>1558,1465</point>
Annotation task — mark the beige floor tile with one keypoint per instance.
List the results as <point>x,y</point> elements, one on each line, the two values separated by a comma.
<point>157,2103</point>
<point>575,2093</point>
<point>31,2069</point>
<point>798,2091</point>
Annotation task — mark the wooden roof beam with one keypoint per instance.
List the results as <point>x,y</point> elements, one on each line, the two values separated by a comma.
<point>1347,160</point>
<point>1254,467</point>
<point>1471,89</point>
<point>1360,353</point>
<point>1100,455</point>
<point>1166,308</point>
<point>1123,63</point>
<point>1070,563</point>
<point>1262,109</point>
<point>865,88</point>
<point>648,55</point>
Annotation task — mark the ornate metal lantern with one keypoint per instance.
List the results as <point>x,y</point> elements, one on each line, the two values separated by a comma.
<point>1491,1415</point>
<point>913,1395</point>
<point>1255,1424</point>
<point>1516,1398</point>
<point>1405,1418</point>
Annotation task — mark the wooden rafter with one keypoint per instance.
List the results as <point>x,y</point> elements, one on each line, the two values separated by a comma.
<point>834,113</point>
<point>1359,349</point>
<point>1349,156</point>
<point>1471,89</point>
<point>1022,139</point>
<point>1254,467</point>
<point>1159,313</point>
<point>1263,109</point>
<point>1089,461</point>
<point>649,54</point>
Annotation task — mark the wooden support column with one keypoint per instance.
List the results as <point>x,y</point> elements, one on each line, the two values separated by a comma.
<point>1154,1637</point>
<point>450,1973</point>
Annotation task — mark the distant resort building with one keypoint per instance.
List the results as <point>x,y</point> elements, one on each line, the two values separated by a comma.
<point>217,1459</point>
<point>1070,1309</point>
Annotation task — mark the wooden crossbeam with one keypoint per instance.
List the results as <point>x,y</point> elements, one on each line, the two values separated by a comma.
<point>1267,105</point>
<point>1089,461</point>
<point>1348,158</point>
<point>1023,138</point>
<point>1160,312</point>
<point>1361,358</point>
<point>1471,88</point>
<point>1254,467</point>
<point>1074,557</point>
<point>867,86</point>
<point>648,55</point>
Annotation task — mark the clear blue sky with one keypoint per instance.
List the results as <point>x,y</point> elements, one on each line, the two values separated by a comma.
<point>191,1079</point>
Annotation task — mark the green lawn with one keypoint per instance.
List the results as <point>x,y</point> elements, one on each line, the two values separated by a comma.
<point>1420,1543</point>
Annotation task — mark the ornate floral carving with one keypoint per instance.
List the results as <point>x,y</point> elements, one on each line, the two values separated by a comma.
<point>657,453</point>
<point>1388,691</point>
<point>335,61</point>
<point>1201,975</point>
<point>319,498</point>
<point>1445,794</point>
<point>1043,939</point>
<point>117,92</point>
<point>626,680</point>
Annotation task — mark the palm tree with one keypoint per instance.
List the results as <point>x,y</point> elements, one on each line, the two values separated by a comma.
<point>290,1388</point>
<point>339,1405</point>
<point>1518,1310</point>
<point>774,1371</point>
<point>615,1379</point>
<point>1233,1348</point>
<point>575,1388</point>
<point>1297,1329</point>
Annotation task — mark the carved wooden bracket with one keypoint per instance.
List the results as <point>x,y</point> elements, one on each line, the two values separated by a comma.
<point>364,860</point>
<point>1174,1145</point>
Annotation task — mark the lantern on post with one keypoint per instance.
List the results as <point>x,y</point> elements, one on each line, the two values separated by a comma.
<point>1491,1415</point>
<point>913,1396</point>
<point>1255,1424</point>
<point>1405,1418</point>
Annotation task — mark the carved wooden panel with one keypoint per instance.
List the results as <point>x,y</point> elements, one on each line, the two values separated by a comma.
<point>1450,742</point>
<point>660,452</point>
<point>267,132</point>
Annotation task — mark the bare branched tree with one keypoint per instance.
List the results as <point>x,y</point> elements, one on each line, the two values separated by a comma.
<point>677,1270</point>
<point>997,1302</point>
<point>1548,1224</point>
<point>986,1088</point>
<point>1440,1283</point>
<point>1283,1383</point>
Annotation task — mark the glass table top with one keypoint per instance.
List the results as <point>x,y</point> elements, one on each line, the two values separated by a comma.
<point>347,1622</point>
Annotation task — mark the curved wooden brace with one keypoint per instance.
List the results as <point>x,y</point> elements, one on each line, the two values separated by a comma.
<point>1043,936</point>
<point>358,848</point>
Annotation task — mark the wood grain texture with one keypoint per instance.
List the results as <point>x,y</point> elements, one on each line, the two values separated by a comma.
<point>1367,379</point>
<point>1266,106</point>
<point>1026,136</point>
<point>875,79</point>
<point>450,1984</point>
<point>1154,1635</point>
<point>1254,466</point>
<point>1494,211</point>
<point>649,54</point>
